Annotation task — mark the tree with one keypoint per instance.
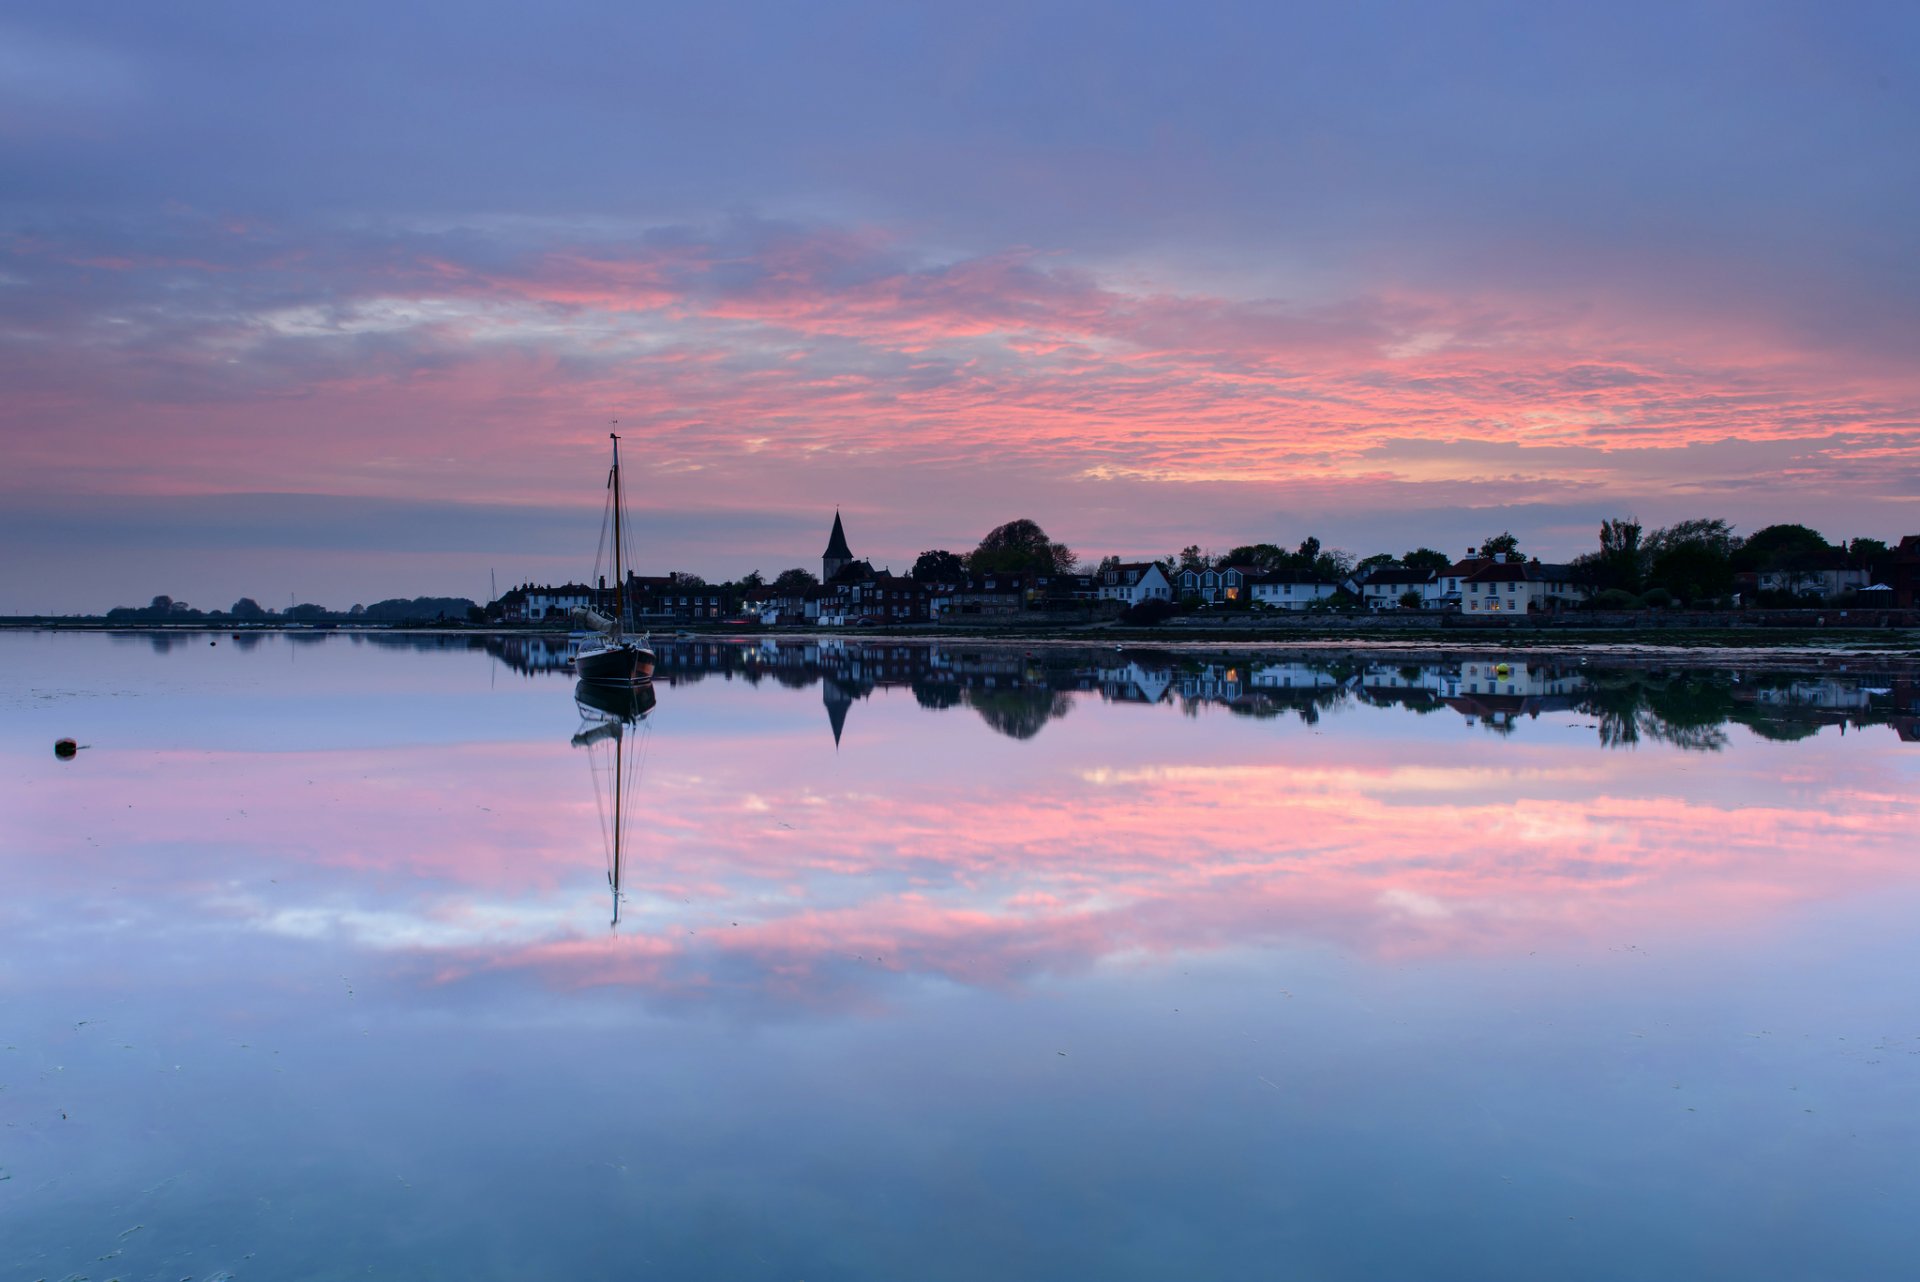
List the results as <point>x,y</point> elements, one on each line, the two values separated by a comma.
<point>161,605</point>
<point>306,611</point>
<point>1109,563</point>
<point>686,580</point>
<point>1020,546</point>
<point>1693,572</point>
<point>1309,550</point>
<point>1779,547</point>
<point>1261,556</point>
<point>1711,533</point>
<point>1862,553</point>
<point>1622,563</point>
<point>1505,541</point>
<point>795,580</point>
<point>1334,566</point>
<point>1192,558</point>
<point>1426,559</point>
<point>1376,561</point>
<point>1411,600</point>
<point>247,608</point>
<point>937,565</point>
<point>751,580</point>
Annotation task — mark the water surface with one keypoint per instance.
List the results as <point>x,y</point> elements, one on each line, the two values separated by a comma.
<point>950,963</point>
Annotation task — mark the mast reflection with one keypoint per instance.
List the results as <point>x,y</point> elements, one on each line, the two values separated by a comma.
<point>607,713</point>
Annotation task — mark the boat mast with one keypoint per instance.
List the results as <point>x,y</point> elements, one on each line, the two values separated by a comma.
<point>618,743</point>
<point>619,566</point>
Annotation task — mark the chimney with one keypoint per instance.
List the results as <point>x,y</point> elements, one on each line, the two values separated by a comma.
<point>603,583</point>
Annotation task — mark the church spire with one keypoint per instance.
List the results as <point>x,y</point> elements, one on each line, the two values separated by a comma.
<point>837,554</point>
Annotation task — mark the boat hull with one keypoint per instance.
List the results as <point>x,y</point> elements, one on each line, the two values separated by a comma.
<point>625,663</point>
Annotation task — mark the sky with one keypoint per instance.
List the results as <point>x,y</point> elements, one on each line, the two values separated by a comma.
<point>338,302</point>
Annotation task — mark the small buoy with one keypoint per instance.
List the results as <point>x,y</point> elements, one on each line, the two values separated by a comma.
<point>213,643</point>
<point>64,748</point>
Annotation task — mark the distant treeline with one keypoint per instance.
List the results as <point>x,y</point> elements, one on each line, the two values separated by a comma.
<point>420,609</point>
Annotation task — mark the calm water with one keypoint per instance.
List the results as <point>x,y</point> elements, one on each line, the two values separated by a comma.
<point>951,964</point>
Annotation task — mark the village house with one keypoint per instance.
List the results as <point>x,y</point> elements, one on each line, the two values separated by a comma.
<point>1132,582</point>
<point>1383,588</point>
<point>1214,584</point>
<point>885,598</point>
<point>674,597</point>
<point>1064,591</point>
<point>1290,589</point>
<point>1448,589</point>
<point>982,594</point>
<point>1509,587</point>
<point>1825,574</point>
<point>542,603</point>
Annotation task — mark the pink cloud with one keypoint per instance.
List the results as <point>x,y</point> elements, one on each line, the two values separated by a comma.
<point>767,367</point>
<point>488,858</point>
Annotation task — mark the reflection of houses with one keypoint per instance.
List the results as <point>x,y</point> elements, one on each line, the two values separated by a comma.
<point>1217,682</point>
<point>1291,676</point>
<point>532,652</point>
<point>1831,694</point>
<point>1019,692</point>
<point>1498,694</point>
<point>1520,587</point>
<point>1134,682</point>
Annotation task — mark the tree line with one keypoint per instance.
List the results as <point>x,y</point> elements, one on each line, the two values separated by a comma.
<point>420,609</point>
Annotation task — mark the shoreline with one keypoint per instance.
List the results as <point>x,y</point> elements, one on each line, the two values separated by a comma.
<point>1801,646</point>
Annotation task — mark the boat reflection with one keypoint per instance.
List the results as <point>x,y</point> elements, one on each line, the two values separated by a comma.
<point>610,716</point>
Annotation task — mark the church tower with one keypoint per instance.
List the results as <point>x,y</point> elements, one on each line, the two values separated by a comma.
<point>837,555</point>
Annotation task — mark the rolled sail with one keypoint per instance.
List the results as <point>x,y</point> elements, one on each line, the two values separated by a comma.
<point>592,618</point>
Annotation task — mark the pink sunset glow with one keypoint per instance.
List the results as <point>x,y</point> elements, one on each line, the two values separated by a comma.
<point>760,866</point>
<point>1251,308</point>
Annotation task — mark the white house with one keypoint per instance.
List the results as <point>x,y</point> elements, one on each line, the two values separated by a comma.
<point>1520,587</point>
<point>1132,582</point>
<point>1829,577</point>
<point>1383,588</point>
<point>1449,585</point>
<point>1290,589</point>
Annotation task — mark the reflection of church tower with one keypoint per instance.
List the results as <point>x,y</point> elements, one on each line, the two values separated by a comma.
<point>838,699</point>
<point>837,554</point>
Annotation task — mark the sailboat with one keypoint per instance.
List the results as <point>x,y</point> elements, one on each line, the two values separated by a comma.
<point>607,711</point>
<point>613,657</point>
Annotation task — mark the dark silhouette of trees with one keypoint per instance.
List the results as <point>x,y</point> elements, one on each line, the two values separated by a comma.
<point>1781,547</point>
<point>937,565</point>
<point>1020,546</point>
<point>1505,541</point>
<point>1426,559</point>
<point>795,580</point>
